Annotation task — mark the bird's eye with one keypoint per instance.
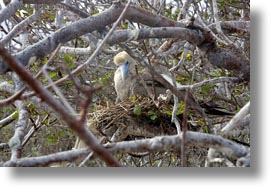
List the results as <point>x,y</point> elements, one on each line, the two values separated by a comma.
<point>127,63</point>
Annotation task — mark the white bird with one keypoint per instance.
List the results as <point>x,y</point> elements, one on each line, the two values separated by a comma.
<point>128,82</point>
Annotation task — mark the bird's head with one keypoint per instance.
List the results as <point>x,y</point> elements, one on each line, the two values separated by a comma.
<point>125,62</point>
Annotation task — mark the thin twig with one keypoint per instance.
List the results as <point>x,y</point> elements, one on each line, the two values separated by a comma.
<point>71,120</point>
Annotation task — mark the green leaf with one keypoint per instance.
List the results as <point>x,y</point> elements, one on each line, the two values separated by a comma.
<point>69,60</point>
<point>53,74</point>
<point>217,73</point>
<point>152,114</point>
<point>52,17</point>
<point>153,117</point>
<point>96,11</point>
<point>125,25</point>
<point>137,110</point>
<point>206,88</point>
<point>60,133</point>
<point>51,139</point>
<point>181,108</point>
<point>15,115</point>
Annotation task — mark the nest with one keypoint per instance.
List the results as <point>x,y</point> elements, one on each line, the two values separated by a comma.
<point>138,117</point>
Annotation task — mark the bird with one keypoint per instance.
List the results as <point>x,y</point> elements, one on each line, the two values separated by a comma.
<point>129,82</point>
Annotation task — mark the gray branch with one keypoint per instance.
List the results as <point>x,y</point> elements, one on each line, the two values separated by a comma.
<point>42,1</point>
<point>19,27</point>
<point>88,25</point>
<point>159,143</point>
<point>192,36</point>
<point>220,56</point>
<point>10,10</point>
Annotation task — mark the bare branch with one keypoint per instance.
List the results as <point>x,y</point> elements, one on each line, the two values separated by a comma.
<point>166,143</point>
<point>235,120</point>
<point>72,120</point>
<point>192,36</point>
<point>48,159</point>
<point>42,1</point>
<point>19,27</point>
<point>87,25</point>
<point>159,143</point>
<point>8,119</point>
<point>10,10</point>
<point>206,82</point>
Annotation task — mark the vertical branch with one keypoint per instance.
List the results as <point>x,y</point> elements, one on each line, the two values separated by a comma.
<point>184,9</point>
<point>175,107</point>
<point>184,128</point>
<point>15,142</point>
<point>218,26</point>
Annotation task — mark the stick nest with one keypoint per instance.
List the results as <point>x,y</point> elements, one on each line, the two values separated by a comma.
<point>151,118</point>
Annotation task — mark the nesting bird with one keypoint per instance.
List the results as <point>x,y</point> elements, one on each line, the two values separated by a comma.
<point>128,82</point>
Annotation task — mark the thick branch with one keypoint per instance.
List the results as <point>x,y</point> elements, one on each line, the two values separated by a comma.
<point>9,10</point>
<point>88,25</point>
<point>227,58</point>
<point>71,119</point>
<point>42,1</point>
<point>159,143</point>
<point>192,36</point>
<point>166,143</point>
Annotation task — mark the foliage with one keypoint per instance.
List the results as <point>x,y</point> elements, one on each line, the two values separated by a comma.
<point>51,135</point>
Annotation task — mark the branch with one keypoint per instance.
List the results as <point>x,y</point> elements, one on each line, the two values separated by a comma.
<point>218,26</point>
<point>226,57</point>
<point>159,143</point>
<point>15,143</point>
<point>88,25</point>
<point>192,36</point>
<point>226,131</point>
<point>71,119</point>
<point>206,82</point>
<point>12,98</point>
<point>8,119</point>
<point>236,119</point>
<point>42,1</point>
<point>232,26</point>
<point>10,10</point>
<point>19,27</point>
<point>6,87</point>
<point>166,143</point>
<point>184,9</point>
<point>46,160</point>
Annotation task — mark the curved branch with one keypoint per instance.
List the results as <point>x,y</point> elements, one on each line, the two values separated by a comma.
<point>87,25</point>
<point>71,120</point>
<point>192,36</point>
<point>42,1</point>
<point>222,57</point>
<point>159,143</point>
<point>165,143</point>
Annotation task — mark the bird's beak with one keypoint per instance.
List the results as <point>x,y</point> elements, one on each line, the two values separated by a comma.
<point>124,70</point>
